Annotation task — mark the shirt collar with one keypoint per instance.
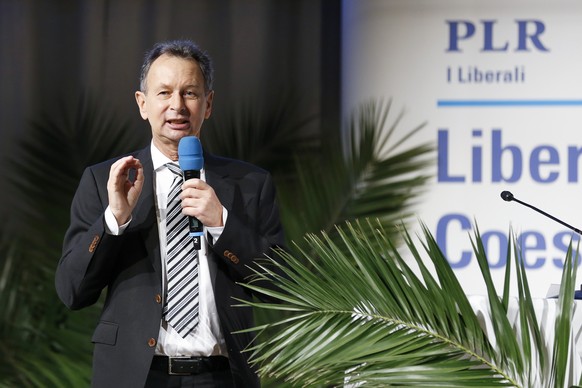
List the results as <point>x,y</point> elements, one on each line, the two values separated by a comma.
<point>160,160</point>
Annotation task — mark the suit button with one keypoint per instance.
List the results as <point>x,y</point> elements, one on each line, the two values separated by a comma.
<point>231,256</point>
<point>151,342</point>
<point>158,298</point>
<point>94,244</point>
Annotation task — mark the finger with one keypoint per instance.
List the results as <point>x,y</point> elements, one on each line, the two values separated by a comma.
<point>120,163</point>
<point>139,175</point>
<point>122,167</point>
<point>119,168</point>
<point>194,184</point>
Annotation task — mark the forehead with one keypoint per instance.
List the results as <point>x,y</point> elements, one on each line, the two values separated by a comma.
<point>170,69</point>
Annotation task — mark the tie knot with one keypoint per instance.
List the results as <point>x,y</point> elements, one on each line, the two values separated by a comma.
<point>175,169</point>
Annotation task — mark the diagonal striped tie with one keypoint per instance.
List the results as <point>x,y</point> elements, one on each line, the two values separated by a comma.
<point>181,309</point>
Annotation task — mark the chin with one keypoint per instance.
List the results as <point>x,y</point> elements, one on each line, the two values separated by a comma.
<point>178,134</point>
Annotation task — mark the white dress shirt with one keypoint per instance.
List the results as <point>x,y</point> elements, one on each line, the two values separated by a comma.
<point>207,338</point>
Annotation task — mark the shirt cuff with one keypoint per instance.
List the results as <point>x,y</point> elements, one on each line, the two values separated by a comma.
<point>216,231</point>
<point>111,226</point>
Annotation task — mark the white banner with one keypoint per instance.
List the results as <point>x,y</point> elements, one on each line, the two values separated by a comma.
<point>500,84</point>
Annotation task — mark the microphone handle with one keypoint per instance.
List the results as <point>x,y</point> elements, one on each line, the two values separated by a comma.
<point>196,227</point>
<point>549,215</point>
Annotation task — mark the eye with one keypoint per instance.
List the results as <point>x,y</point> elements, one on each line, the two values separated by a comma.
<point>190,94</point>
<point>163,93</point>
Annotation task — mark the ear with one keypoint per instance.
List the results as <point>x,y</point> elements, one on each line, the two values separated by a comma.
<point>209,98</point>
<point>140,98</point>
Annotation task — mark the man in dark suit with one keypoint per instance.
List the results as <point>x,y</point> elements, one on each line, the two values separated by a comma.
<point>117,241</point>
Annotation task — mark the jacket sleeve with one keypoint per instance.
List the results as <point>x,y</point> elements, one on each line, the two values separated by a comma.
<point>253,228</point>
<point>86,264</point>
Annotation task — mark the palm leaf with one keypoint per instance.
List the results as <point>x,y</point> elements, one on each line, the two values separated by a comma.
<point>267,132</point>
<point>561,349</point>
<point>374,176</point>
<point>320,182</point>
<point>362,315</point>
<point>36,328</point>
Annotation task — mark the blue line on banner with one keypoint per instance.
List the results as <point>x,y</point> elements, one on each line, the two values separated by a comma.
<point>504,103</point>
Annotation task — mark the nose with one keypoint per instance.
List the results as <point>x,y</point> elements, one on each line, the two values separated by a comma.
<point>177,102</point>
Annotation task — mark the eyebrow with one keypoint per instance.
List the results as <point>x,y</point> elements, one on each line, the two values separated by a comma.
<point>166,86</point>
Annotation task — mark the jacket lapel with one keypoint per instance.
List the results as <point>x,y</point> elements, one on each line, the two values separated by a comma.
<point>144,215</point>
<point>215,177</point>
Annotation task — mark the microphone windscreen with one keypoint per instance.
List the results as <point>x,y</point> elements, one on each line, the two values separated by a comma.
<point>190,154</point>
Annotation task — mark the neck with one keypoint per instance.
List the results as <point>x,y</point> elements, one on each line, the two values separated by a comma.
<point>169,150</point>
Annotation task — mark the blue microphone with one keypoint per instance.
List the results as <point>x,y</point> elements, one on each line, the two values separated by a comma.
<point>191,161</point>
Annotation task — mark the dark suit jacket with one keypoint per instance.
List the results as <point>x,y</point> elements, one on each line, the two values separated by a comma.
<point>129,266</point>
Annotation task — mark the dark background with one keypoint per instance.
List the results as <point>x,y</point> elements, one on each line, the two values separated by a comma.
<point>55,52</point>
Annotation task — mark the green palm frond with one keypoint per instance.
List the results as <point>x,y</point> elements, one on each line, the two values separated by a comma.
<point>43,343</point>
<point>367,170</point>
<point>360,313</point>
<point>267,132</point>
<point>54,154</point>
<point>376,175</point>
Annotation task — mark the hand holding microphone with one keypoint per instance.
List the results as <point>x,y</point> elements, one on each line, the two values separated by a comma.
<point>199,201</point>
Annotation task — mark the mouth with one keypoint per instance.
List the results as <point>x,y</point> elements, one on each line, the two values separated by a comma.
<point>178,123</point>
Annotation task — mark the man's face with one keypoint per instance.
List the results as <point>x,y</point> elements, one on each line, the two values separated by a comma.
<point>175,102</point>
